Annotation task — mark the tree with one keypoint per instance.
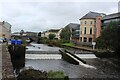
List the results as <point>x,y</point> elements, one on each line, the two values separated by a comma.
<point>21,32</point>
<point>39,34</point>
<point>51,36</point>
<point>65,33</point>
<point>110,37</point>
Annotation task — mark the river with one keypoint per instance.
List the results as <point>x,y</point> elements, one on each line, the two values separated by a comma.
<point>45,58</point>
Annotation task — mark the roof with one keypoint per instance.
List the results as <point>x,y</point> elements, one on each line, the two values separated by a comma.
<point>92,15</point>
<point>111,16</point>
<point>73,26</point>
<point>54,30</point>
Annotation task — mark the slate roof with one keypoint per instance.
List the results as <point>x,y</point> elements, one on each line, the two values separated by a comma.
<point>111,16</point>
<point>54,30</point>
<point>73,26</point>
<point>92,15</point>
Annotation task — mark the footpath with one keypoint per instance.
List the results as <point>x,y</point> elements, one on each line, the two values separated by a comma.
<point>88,49</point>
<point>0,61</point>
<point>6,68</point>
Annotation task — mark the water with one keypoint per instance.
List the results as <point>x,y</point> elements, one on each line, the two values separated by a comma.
<point>57,56</point>
<point>41,47</point>
<point>103,69</point>
<point>95,67</point>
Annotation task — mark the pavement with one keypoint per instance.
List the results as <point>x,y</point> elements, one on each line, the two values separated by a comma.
<point>0,61</point>
<point>6,69</point>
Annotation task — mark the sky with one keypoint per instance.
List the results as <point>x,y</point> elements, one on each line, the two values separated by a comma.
<point>42,15</point>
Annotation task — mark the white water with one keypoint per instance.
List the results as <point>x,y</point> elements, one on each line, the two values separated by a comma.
<point>86,56</point>
<point>43,56</point>
<point>57,56</point>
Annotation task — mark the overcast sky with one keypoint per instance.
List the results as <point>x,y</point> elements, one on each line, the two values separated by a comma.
<point>41,15</point>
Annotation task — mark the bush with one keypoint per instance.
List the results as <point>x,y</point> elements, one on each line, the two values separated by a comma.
<point>110,37</point>
<point>51,36</point>
<point>32,74</point>
<point>42,40</point>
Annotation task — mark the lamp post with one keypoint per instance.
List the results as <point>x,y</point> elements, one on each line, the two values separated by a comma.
<point>93,43</point>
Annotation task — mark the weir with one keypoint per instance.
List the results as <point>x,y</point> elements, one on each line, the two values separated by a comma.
<point>68,56</point>
<point>42,51</point>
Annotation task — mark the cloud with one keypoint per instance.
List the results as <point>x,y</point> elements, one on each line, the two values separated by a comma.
<point>41,16</point>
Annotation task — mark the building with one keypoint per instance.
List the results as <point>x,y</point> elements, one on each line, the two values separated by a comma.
<point>111,17</point>
<point>26,35</point>
<point>5,29</point>
<point>75,30</point>
<point>52,31</point>
<point>90,26</point>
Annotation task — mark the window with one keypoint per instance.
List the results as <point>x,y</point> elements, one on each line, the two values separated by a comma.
<point>85,39</point>
<point>91,30</point>
<point>90,39</point>
<point>85,22</point>
<point>98,18</point>
<point>91,22</point>
<point>95,22</point>
<point>80,30</point>
<point>80,38</point>
<point>85,30</point>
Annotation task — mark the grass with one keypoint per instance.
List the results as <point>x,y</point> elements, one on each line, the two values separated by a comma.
<point>68,44</point>
<point>56,74</point>
<point>32,74</point>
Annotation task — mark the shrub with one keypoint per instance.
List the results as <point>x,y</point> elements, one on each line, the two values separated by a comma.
<point>51,36</point>
<point>32,74</point>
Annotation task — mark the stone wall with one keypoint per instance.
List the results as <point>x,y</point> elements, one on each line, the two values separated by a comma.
<point>7,68</point>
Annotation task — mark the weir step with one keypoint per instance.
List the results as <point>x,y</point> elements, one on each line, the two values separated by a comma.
<point>71,57</point>
<point>74,59</point>
<point>75,56</point>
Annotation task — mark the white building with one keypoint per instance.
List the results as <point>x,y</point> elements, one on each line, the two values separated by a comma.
<point>52,31</point>
<point>5,29</point>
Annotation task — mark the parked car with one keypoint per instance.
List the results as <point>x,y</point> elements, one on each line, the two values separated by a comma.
<point>1,40</point>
